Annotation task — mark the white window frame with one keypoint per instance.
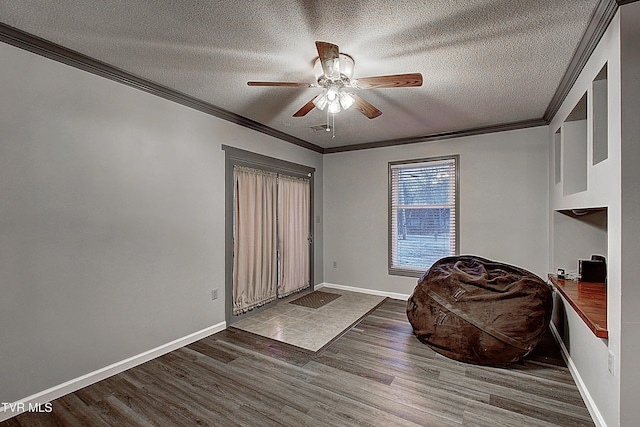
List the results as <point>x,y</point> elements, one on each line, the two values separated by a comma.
<point>395,268</point>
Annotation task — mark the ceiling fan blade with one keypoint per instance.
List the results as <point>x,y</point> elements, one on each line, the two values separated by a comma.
<point>305,109</point>
<point>329,55</point>
<point>396,80</point>
<point>364,107</point>
<point>280,84</point>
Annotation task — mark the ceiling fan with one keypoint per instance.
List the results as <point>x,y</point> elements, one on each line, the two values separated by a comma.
<point>334,72</point>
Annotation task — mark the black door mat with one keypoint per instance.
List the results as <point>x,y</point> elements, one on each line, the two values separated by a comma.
<point>315,299</point>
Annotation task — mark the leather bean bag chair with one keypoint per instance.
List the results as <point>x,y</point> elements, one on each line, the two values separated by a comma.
<point>479,311</point>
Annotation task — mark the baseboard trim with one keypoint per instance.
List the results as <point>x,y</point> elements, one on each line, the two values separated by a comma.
<point>582,388</point>
<point>391,295</point>
<point>103,373</point>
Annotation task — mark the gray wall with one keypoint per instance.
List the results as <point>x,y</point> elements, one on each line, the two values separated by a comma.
<point>503,205</point>
<point>111,220</point>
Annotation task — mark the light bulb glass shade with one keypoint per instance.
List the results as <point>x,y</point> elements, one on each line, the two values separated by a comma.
<point>346,100</point>
<point>320,101</point>
<point>334,107</point>
<point>332,93</point>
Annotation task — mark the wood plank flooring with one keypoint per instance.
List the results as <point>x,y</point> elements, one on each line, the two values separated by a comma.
<point>377,374</point>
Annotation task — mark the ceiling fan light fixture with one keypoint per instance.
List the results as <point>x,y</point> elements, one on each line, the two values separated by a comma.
<point>332,93</point>
<point>321,101</point>
<point>334,106</point>
<point>346,100</point>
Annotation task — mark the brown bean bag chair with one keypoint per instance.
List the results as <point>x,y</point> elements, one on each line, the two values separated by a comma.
<point>479,311</point>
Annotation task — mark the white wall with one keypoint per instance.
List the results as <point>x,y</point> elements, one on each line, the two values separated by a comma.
<point>503,205</point>
<point>111,220</point>
<point>630,214</point>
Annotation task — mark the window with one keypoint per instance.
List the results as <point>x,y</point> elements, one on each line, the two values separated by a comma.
<point>423,213</point>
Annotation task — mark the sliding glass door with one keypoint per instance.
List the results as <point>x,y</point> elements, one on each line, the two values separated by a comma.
<point>254,239</point>
<point>293,234</point>
<point>269,237</point>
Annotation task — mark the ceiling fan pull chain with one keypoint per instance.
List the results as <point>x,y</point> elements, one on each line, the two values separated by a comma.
<point>333,126</point>
<point>328,127</point>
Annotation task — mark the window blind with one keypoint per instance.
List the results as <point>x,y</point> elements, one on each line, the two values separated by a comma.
<point>423,214</point>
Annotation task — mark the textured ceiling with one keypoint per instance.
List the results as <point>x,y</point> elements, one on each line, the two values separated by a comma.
<point>484,62</point>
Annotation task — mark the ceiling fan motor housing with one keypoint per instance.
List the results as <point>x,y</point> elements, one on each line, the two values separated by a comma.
<point>339,68</point>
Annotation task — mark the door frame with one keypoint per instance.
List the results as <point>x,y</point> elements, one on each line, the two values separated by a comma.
<point>236,156</point>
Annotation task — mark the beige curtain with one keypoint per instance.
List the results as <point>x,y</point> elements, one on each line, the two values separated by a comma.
<point>254,238</point>
<point>293,234</point>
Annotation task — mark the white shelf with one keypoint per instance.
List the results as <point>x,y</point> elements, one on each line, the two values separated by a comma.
<point>578,234</point>
<point>574,152</point>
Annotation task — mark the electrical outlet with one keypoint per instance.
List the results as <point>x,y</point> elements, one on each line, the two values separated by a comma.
<point>610,365</point>
<point>335,264</point>
<point>214,294</point>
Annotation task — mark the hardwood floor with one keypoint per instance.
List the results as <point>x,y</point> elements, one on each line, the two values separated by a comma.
<point>378,374</point>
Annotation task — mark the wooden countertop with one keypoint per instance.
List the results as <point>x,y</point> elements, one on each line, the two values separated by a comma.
<point>589,300</point>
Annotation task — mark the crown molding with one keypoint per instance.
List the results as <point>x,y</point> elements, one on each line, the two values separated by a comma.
<point>439,136</point>
<point>600,20</point>
<point>42,47</point>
